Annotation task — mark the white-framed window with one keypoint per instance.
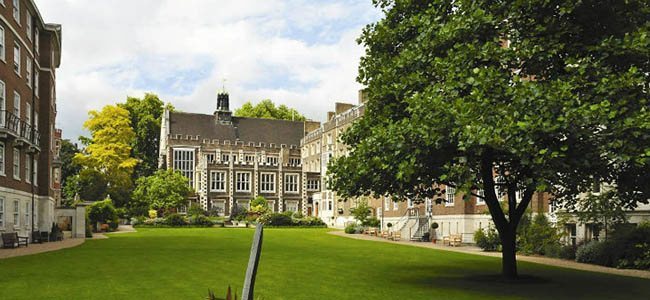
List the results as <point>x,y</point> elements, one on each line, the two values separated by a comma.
<point>272,160</point>
<point>243,182</point>
<point>2,212</point>
<point>3,103</point>
<point>57,175</point>
<point>313,184</point>
<point>451,194</point>
<point>16,163</point>
<point>27,214</point>
<point>291,183</point>
<point>210,157</point>
<point>17,11</point>
<point>36,82</point>
<point>36,38</point>
<point>292,206</point>
<point>481,199</point>
<point>16,104</point>
<point>225,158</point>
<point>2,43</point>
<point>28,168</point>
<point>395,205</point>
<point>184,163</point>
<point>217,181</point>
<point>35,170</point>
<point>16,213</point>
<point>17,58</point>
<point>28,113</point>
<point>267,182</point>
<point>219,206</point>
<point>28,28</point>
<point>294,161</point>
<point>249,159</point>
<point>2,159</point>
<point>386,204</point>
<point>28,72</point>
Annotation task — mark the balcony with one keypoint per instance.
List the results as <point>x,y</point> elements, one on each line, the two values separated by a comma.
<point>24,133</point>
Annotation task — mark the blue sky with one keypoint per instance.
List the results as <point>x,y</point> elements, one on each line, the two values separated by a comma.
<point>300,53</point>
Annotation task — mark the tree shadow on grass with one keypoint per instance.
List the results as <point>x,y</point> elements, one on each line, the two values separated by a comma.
<point>532,284</point>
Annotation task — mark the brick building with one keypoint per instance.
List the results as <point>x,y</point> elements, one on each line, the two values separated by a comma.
<point>30,53</point>
<point>230,160</point>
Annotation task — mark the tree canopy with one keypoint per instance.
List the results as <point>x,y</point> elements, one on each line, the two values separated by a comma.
<point>164,190</point>
<point>546,95</point>
<point>266,109</point>
<point>68,166</point>
<point>108,150</point>
<point>145,115</point>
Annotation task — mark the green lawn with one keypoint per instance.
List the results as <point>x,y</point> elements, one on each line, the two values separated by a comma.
<point>295,264</point>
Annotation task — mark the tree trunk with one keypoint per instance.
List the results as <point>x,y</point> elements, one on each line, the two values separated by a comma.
<point>508,253</point>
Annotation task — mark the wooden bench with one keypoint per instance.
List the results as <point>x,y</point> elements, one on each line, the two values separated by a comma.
<point>455,240</point>
<point>372,231</point>
<point>12,240</point>
<point>384,234</point>
<point>395,236</point>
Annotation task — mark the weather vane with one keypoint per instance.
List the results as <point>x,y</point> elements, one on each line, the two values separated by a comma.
<point>223,84</point>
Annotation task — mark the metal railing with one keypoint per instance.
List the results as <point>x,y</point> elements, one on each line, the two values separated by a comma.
<point>19,128</point>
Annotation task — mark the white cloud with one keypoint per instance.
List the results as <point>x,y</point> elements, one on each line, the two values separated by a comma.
<point>300,53</point>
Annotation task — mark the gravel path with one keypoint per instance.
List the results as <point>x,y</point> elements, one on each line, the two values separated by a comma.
<point>40,248</point>
<point>534,259</point>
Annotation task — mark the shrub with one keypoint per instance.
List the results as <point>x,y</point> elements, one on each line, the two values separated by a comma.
<point>488,241</point>
<point>539,236</point>
<point>175,220</point>
<point>310,222</point>
<point>200,220</point>
<point>633,249</point>
<point>196,210</point>
<point>373,222</point>
<point>137,220</point>
<point>279,219</point>
<point>599,253</point>
<point>102,212</point>
<point>351,229</point>
<point>154,221</point>
<point>153,214</point>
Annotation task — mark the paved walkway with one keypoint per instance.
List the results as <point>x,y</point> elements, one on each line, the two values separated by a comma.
<point>534,259</point>
<point>40,248</point>
<point>53,246</point>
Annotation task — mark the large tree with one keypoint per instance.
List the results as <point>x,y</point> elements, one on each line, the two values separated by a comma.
<point>266,109</point>
<point>164,190</point>
<point>109,150</point>
<point>544,96</point>
<point>68,166</point>
<point>145,115</point>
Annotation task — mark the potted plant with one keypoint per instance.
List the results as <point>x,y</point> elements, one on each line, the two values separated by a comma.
<point>434,226</point>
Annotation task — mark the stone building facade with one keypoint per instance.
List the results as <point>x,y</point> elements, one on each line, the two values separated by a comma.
<point>322,145</point>
<point>230,160</point>
<point>30,53</point>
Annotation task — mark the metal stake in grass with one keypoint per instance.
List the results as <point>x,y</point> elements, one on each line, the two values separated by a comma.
<point>251,271</point>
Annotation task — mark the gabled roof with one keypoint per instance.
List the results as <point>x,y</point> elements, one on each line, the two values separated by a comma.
<point>244,129</point>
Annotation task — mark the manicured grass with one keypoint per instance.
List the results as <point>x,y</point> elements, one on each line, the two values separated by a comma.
<point>295,264</point>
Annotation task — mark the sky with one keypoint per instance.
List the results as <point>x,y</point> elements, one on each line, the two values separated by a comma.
<point>300,53</point>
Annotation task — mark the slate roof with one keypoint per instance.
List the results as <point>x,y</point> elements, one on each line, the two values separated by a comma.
<point>244,129</point>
